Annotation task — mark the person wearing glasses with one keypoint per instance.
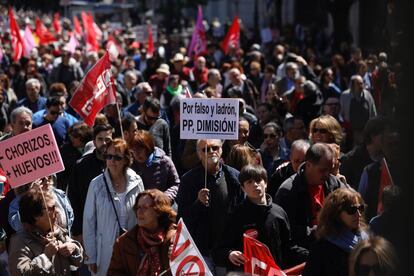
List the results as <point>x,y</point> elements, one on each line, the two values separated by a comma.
<point>60,124</point>
<point>325,129</point>
<point>42,247</point>
<point>144,249</point>
<point>205,207</point>
<point>374,257</point>
<point>302,195</point>
<point>269,150</point>
<point>108,211</point>
<point>151,121</point>
<point>341,226</point>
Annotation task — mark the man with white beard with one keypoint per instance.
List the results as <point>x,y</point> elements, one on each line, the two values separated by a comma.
<point>205,203</point>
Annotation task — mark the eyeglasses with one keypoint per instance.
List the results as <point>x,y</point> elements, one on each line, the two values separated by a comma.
<point>269,135</point>
<point>320,130</point>
<point>152,118</point>
<point>210,148</point>
<point>364,270</point>
<point>113,157</point>
<point>351,210</point>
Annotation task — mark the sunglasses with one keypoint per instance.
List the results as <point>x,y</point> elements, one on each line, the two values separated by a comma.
<point>320,130</point>
<point>364,270</point>
<point>54,112</point>
<point>152,118</point>
<point>113,157</point>
<point>269,136</point>
<point>351,210</point>
<point>211,148</point>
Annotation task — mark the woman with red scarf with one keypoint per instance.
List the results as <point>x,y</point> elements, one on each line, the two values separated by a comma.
<point>144,249</point>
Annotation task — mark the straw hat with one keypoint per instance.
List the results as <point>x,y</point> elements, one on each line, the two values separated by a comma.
<point>164,68</point>
<point>178,57</point>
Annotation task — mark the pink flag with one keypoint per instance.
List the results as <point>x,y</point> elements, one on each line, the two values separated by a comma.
<point>72,44</point>
<point>198,40</point>
<point>29,41</point>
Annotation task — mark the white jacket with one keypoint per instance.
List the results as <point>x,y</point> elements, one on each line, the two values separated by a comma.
<point>100,226</point>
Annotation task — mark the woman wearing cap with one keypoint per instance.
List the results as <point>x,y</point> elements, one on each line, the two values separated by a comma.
<point>341,226</point>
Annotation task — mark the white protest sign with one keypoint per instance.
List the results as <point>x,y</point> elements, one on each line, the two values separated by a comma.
<point>209,119</point>
<point>185,258</point>
<point>30,156</point>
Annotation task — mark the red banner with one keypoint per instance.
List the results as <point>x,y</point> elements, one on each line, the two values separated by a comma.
<point>17,40</point>
<point>232,37</point>
<point>258,259</point>
<point>150,47</point>
<point>43,33</point>
<point>56,23</point>
<point>90,34</point>
<point>77,26</point>
<point>96,90</point>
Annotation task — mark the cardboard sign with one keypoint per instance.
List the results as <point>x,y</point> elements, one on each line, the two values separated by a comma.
<point>209,119</point>
<point>185,258</point>
<point>30,156</point>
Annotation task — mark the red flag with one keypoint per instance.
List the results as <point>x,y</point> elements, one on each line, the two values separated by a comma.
<point>112,41</point>
<point>187,93</point>
<point>43,33</point>
<point>150,47</point>
<point>385,180</point>
<point>232,37</point>
<point>17,40</point>
<point>77,26</point>
<point>91,41</point>
<point>96,90</point>
<point>258,259</point>
<point>56,23</point>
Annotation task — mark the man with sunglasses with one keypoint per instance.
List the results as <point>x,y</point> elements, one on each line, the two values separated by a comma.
<point>60,124</point>
<point>302,195</point>
<point>205,207</point>
<point>151,121</point>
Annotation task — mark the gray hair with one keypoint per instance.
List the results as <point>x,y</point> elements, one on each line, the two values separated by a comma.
<point>130,74</point>
<point>20,110</point>
<point>301,144</point>
<point>140,86</point>
<point>212,72</point>
<point>33,81</point>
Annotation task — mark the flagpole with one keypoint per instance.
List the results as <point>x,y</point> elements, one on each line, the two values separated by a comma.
<point>388,170</point>
<point>119,118</point>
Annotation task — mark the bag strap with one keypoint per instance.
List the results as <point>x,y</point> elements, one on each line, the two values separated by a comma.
<point>112,200</point>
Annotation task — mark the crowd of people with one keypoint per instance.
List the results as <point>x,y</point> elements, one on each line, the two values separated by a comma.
<point>305,177</point>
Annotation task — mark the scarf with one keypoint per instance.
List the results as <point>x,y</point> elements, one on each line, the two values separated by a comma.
<point>150,243</point>
<point>347,239</point>
<point>176,91</point>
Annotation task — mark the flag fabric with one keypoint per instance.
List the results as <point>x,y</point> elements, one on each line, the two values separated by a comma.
<point>17,40</point>
<point>187,92</point>
<point>98,32</point>
<point>150,45</point>
<point>198,40</point>
<point>29,41</point>
<point>112,44</point>
<point>95,91</point>
<point>45,37</point>
<point>385,180</point>
<point>232,37</point>
<point>185,259</point>
<point>56,23</point>
<point>258,259</point>
<point>90,35</point>
<point>77,26</point>
<point>72,44</point>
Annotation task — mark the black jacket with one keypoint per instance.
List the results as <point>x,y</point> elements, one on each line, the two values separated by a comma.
<point>85,169</point>
<point>283,172</point>
<point>273,229</point>
<point>206,224</point>
<point>353,163</point>
<point>293,197</point>
<point>326,259</point>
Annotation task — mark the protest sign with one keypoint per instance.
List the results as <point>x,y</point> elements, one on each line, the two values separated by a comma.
<point>185,259</point>
<point>209,119</point>
<point>30,156</point>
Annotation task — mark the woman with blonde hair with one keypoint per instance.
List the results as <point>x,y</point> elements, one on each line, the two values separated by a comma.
<point>325,129</point>
<point>374,256</point>
<point>341,226</point>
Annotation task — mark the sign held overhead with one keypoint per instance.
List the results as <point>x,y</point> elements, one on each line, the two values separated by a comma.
<point>30,156</point>
<point>209,119</point>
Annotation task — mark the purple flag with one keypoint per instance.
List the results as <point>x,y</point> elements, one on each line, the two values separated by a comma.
<point>198,40</point>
